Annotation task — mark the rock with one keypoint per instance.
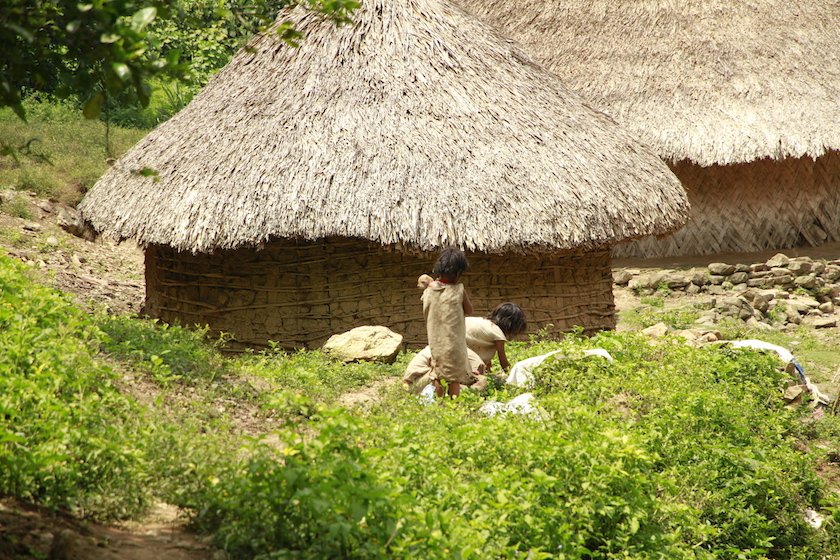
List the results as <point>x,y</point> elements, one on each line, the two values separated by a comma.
<point>778,259</point>
<point>657,331</point>
<point>759,282</point>
<point>806,282</point>
<point>32,226</point>
<point>634,271</point>
<point>831,272</point>
<point>716,279</point>
<point>716,290</point>
<point>742,268</point>
<point>783,279</point>
<point>651,281</point>
<point>799,267</point>
<point>792,315</point>
<point>826,307</point>
<point>621,277</point>
<point>813,313</point>
<point>698,336</point>
<point>759,267</point>
<point>52,241</point>
<point>765,273</point>
<point>368,343</point>
<point>727,285</point>
<point>71,221</point>
<point>45,205</point>
<point>75,260</point>
<point>692,289</point>
<point>770,295</point>
<point>793,392</point>
<point>739,277</point>
<point>708,318</point>
<point>823,322</point>
<point>818,267</point>
<point>701,278</point>
<point>721,269</point>
<point>754,323</point>
<point>676,280</point>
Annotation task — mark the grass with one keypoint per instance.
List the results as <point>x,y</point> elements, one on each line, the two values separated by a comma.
<point>58,156</point>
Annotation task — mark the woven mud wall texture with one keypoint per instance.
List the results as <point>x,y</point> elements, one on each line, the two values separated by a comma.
<point>300,293</point>
<point>756,206</point>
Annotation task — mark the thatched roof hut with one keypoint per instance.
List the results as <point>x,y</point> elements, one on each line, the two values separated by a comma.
<point>414,128</point>
<point>741,98</point>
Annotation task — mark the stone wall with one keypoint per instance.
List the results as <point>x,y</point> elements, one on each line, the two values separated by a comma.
<point>756,206</point>
<point>300,293</point>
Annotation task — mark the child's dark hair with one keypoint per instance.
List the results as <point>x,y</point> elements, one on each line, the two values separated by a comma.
<point>451,263</point>
<point>510,318</point>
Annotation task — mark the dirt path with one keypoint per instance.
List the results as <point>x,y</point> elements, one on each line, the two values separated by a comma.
<point>28,532</point>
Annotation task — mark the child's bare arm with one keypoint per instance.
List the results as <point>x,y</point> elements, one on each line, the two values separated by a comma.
<point>503,361</point>
<point>468,307</point>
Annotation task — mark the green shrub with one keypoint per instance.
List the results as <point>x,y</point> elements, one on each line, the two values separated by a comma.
<point>169,353</point>
<point>68,438</point>
<point>17,207</point>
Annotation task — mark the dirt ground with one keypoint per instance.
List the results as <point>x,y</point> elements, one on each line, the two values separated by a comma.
<point>105,274</point>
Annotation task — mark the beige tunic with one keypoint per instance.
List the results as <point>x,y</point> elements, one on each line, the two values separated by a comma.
<point>482,335</point>
<point>443,307</point>
<point>419,372</point>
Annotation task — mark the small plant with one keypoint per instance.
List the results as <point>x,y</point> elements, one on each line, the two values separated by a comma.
<point>17,207</point>
<point>653,301</point>
<point>169,353</point>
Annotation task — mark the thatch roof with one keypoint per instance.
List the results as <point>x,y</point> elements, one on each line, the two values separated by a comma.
<point>417,126</point>
<point>704,80</point>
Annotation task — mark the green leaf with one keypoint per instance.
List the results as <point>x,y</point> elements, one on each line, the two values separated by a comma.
<point>93,106</point>
<point>84,7</point>
<point>109,38</point>
<point>122,70</point>
<point>143,17</point>
<point>73,26</point>
<point>25,33</point>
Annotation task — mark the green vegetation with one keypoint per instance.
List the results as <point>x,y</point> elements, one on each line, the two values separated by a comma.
<point>668,452</point>
<point>106,50</point>
<point>58,155</point>
<point>655,312</point>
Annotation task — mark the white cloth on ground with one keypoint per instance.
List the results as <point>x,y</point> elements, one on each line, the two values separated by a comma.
<point>522,372</point>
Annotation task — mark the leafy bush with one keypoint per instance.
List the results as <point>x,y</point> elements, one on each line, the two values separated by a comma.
<point>169,353</point>
<point>67,436</point>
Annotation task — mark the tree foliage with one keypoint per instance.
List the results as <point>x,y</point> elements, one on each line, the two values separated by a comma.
<point>94,49</point>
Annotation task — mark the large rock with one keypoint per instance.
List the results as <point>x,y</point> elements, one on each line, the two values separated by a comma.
<point>368,344</point>
<point>778,259</point>
<point>622,277</point>
<point>831,272</point>
<point>657,331</point>
<point>806,282</point>
<point>800,266</point>
<point>721,269</point>
<point>71,221</point>
<point>739,277</point>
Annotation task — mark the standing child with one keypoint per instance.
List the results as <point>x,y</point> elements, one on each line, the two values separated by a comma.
<point>445,303</point>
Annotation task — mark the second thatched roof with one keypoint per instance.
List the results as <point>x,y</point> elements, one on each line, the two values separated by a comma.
<point>416,125</point>
<point>703,80</point>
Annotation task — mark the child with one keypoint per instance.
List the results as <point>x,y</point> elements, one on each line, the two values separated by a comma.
<point>487,335</point>
<point>445,303</point>
<point>420,372</point>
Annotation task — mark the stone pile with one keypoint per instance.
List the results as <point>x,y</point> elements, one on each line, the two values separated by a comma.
<point>774,293</point>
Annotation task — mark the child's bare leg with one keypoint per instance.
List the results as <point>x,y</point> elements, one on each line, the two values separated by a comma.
<point>454,389</point>
<point>440,390</point>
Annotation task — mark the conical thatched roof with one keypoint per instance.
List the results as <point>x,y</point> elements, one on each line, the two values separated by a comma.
<point>712,81</point>
<point>417,126</point>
